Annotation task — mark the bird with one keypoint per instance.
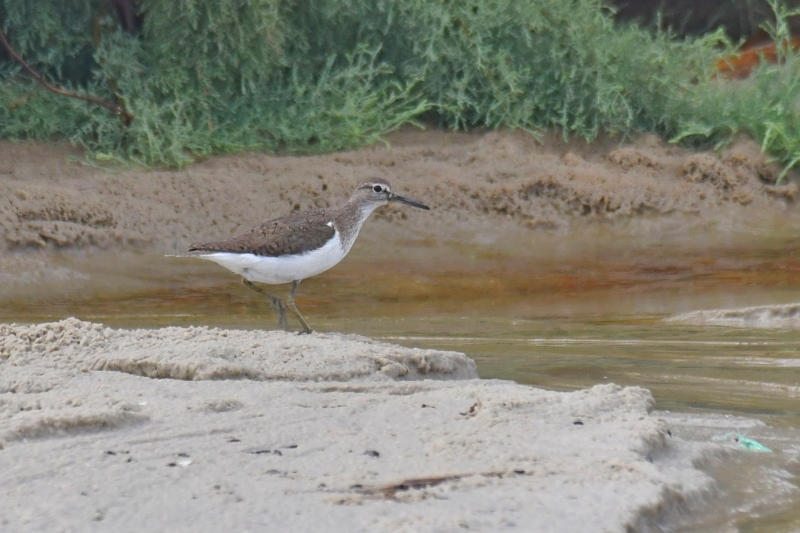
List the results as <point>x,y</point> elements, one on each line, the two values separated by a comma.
<point>300,245</point>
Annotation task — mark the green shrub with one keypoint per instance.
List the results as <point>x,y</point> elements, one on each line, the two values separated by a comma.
<point>205,76</point>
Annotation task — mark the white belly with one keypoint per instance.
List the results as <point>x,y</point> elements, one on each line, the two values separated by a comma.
<point>277,270</point>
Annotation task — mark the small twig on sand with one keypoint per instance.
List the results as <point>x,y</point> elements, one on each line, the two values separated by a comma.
<point>123,113</point>
<point>389,491</point>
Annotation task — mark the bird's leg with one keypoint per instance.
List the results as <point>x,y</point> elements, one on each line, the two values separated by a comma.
<point>275,303</point>
<point>290,303</point>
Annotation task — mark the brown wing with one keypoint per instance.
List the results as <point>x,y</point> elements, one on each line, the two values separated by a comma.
<point>293,234</point>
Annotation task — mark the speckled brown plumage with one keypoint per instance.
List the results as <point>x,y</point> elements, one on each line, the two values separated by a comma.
<point>288,235</point>
<point>305,231</point>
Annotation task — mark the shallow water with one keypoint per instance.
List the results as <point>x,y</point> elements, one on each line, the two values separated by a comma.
<point>569,322</point>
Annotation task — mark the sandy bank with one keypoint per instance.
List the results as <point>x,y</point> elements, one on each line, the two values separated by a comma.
<point>497,194</point>
<point>481,186</point>
<point>275,432</point>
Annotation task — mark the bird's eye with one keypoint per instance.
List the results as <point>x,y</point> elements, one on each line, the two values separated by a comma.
<point>377,188</point>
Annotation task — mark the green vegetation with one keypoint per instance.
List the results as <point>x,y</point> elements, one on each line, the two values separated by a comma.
<point>203,76</point>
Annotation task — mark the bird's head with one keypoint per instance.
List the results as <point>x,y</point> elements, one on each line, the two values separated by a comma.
<point>377,192</point>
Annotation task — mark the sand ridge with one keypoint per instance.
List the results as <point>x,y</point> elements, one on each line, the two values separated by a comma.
<point>38,358</point>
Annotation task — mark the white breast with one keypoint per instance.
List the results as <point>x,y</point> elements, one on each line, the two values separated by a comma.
<point>284,269</point>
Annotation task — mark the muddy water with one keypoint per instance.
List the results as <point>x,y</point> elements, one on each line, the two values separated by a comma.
<point>570,321</point>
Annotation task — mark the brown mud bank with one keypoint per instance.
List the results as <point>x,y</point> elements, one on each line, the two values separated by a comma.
<point>508,181</point>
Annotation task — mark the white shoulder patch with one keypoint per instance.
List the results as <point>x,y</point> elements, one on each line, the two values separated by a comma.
<point>329,224</point>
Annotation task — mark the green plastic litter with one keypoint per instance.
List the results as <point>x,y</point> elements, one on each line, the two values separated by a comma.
<point>744,442</point>
<point>750,444</point>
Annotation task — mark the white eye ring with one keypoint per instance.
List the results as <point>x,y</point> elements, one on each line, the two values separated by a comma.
<point>377,188</point>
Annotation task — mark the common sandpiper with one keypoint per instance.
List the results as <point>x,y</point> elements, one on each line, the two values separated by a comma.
<point>300,245</point>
